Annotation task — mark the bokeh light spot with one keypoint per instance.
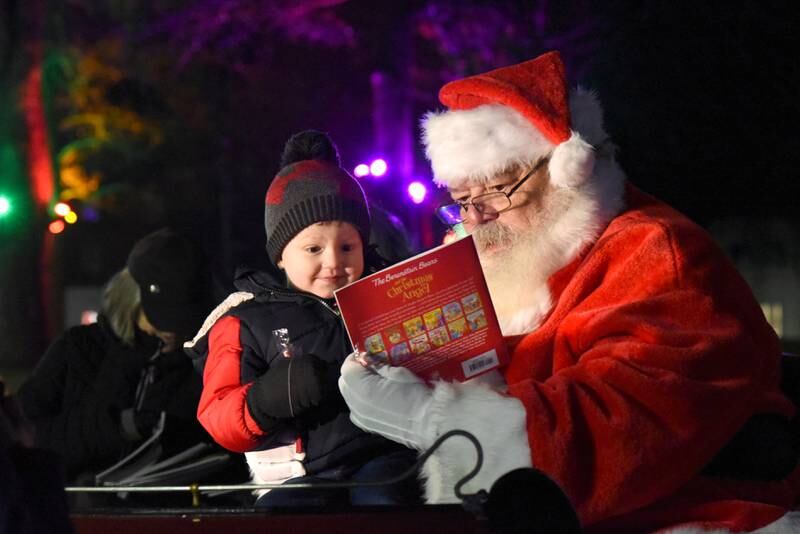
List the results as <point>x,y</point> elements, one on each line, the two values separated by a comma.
<point>378,167</point>
<point>417,191</point>
<point>361,170</point>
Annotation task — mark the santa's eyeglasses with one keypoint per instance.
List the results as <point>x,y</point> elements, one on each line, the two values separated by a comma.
<point>485,204</point>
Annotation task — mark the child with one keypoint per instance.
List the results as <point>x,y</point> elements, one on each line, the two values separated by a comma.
<point>278,402</point>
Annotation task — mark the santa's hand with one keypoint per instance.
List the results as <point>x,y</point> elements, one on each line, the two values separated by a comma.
<point>390,401</point>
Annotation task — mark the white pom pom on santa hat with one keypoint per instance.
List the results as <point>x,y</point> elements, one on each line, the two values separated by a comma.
<point>513,115</point>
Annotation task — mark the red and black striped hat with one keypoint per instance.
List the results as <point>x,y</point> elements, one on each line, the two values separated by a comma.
<point>307,192</point>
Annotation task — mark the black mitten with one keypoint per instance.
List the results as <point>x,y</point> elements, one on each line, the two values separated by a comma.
<point>290,387</point>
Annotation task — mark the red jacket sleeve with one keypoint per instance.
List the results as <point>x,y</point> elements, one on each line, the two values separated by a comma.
<point>223,408</point>
<point>654,356</point>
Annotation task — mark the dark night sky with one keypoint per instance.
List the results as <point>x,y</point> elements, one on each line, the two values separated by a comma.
<point>701,102</point>
<point>700,97</point>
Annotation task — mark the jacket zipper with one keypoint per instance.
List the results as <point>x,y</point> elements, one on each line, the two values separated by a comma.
<point>272,292</point>
<point>345,348</point>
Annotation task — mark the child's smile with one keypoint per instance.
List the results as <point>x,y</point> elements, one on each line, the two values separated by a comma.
<point>324,257</point>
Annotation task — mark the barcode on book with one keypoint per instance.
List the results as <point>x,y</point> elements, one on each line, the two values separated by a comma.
<point>479,363</point>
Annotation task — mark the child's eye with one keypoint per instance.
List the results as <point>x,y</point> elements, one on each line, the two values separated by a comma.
<point>348,247</point>
<point>314,249</point>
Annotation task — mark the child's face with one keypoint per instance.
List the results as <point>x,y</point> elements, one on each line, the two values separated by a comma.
<point>324,257</point>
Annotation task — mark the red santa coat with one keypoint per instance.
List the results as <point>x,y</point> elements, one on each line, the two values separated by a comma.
<point>654,336</point>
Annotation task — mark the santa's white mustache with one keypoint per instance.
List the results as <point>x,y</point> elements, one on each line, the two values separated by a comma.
<point>492,234</point>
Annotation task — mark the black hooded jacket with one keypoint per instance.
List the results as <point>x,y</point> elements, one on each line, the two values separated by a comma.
<point>240,347</point>
<point>87,377</point>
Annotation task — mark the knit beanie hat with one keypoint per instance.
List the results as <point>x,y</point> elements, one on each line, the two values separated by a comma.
<point>512,115</point>
<point>309,190</point>
<point>173,281</point>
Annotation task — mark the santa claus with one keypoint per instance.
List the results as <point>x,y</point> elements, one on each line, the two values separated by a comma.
<point>641,364</point>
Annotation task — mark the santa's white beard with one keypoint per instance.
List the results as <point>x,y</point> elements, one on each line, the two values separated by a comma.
<point>517,263</point>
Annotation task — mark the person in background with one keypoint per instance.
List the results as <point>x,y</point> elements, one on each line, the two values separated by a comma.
<point>643,379</point>
<point>100,389</point>
<point>389,235</point>
<point>32,498</point>
<point>272,351</point>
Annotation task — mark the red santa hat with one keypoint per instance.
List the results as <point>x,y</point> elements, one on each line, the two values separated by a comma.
<point>512,115</point>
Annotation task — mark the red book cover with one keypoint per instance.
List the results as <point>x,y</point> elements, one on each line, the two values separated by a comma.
<point>431,313</point>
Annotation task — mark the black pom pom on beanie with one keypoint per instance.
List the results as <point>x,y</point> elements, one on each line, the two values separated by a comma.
<point>310,144</point>
<point>311,187</point>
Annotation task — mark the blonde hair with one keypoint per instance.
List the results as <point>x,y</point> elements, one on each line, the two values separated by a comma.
<point>121,303</point>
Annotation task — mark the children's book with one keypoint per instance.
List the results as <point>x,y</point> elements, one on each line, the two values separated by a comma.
<point>146,465</point>
<point>430,313</point>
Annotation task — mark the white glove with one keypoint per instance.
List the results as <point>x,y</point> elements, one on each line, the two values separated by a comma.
<point>390,401</point>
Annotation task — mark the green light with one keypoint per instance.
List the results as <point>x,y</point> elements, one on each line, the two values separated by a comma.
<point>5,206</point>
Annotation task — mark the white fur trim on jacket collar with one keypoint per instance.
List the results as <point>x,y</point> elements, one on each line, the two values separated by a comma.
<point>528,318</point>
<point>231,301</point>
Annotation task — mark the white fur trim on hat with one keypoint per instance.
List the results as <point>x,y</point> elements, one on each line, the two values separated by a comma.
<point>572,162</point>
<point>475,144</point>
<point>471,146</point>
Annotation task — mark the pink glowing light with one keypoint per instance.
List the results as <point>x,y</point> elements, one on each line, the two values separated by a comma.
<point>378,167</point>
<point>361,170</point>
<point>56,227</point>
<point>417,191</point>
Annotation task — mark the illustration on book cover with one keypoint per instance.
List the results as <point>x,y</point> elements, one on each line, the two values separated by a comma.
<point>431,313</point>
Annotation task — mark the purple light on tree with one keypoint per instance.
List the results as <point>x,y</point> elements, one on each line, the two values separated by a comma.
<point>417,192</point>
<point>378,168</point>
<point>90,214</point>
<point>361,170</point>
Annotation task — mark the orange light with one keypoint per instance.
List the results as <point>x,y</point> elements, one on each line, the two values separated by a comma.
<point>71,217</point>
<point>56,227</point>
<point>61,209</point>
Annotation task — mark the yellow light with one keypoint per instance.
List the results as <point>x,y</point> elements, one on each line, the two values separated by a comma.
<point>71,217</point>
<point>56,227</point>
<point>61,209</point>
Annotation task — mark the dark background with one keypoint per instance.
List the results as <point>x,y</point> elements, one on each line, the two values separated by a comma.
<point>197,98</point>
